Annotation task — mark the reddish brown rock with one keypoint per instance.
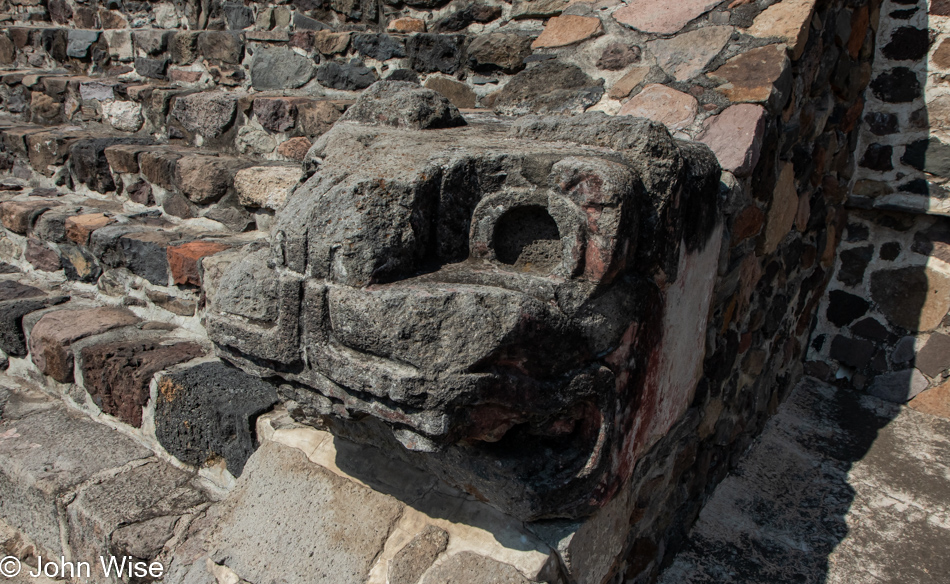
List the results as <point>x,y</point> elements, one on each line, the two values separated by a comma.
<point>460,94</point>
<point>183,75</point>
<point>331,43</point>
<point>41,257</point>
<point>789,20</point>
<point>661,16</point>
<point>753,75</point>
<point>295,148</point>
<point>183,260</point>
<point>277,114</point>
<point>935,401</point>
<point>562,31</point>
<point>117,375</point>
<point>124,157</point>
<point>315,117</point>
<point>158,167</point>
<point>735,136</point>
<point>406,25</point>
<point>80,227</point>
<point>663,104</point>
<point>19,216</point>
<point>52,336</point>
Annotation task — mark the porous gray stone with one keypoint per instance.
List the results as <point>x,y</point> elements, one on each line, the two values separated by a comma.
<point>898,386</point>
<point>403,104</point>
<point>472,568</point>
<point>549,87</point>
<point>207,412</point>
<point>350,76</point>
<point>79,41</point>
<point>205,113</point>
<point>280,68</point>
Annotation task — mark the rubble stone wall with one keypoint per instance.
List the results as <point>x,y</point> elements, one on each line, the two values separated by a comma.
<point>203,101</point>
<point>883,328</point>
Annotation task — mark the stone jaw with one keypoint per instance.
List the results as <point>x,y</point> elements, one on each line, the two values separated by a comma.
<point>395,291</point>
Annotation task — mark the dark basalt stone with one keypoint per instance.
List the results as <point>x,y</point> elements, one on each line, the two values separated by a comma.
<point>381,47</point>
<point>208,412</point>
<point>854,262</point>
<point>899,85</point>
<point>845,308</point>
<point>907,44</point>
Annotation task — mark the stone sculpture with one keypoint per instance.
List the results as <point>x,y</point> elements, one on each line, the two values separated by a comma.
<point>518,307</point>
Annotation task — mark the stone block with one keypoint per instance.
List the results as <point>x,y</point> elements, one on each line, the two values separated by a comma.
<point>351,76</point>
<point>315,117</point>
<point>280,68</point>
<point>471,568</point>
<point>19,216</point>
<point>51,225</point>
<point>265,186</point>
<point>617,56</point>
<point>562,31</point>
<point>431,53</point>
<point>549,87</point>
<point>45,460</point>
<point>933,359</point>
<point>898,386</point>
<point>78,263</point>
<point>915,298</point>
<point>674,109</point>
<point>735,136</point>
<point>406,25</point>
<point>295,148</point>
<point>183,260</point>
<point>144,493</point>
<point>277,114</point>
<point>158,166</point>
<point>117,374</point>
<point>460,94</point>
<point>897,85</point>
<point>144,254</point>
<point>659,16</point>
<point>206,113</point>
<point>41,256</point>
<point>205,179</point>
<point>789,20</point>
<point>225,47</point>
<point>53,334</point>
<point>331,43</point>
<point>781,214</point>
<point>79,41</point>
<point>934,401</point>
<point>686,55</point>
<point>631,80</point>
<point>207,412</point>
<point>758,75</point>
<point>408,565</point>
<point>89,165</point>
<point>16,301</point>
<point>124,158</point>
<point>80,227</point>
<point>381,47</point>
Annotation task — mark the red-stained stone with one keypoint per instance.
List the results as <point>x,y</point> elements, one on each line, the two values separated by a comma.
<point>406,25</point>
<point>735,136</point>
<point>183,260</point>
<point>662,16</point>
<point>789,20</point>
<point>80,227</point>
<point>295,148</point>
<point>56,331</point>
<point>561,31</point>
<point>19,216</point>
<point>117,375</point>
<point>662,104</point>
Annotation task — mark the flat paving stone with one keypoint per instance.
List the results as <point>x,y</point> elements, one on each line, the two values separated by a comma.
<point>840,488</point>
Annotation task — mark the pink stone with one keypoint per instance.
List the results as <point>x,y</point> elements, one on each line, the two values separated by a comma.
<point>660,103</point>
<point>561,31</point>
<point>662,16</point>
<point>735,136</point>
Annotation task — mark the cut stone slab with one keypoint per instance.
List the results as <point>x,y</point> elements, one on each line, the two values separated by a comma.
<point>789,20</point>
<point>205,179</point>
<point>915,298</point>
<point>755,76</point>
<point>675,109</point>
<point>265,186</point>
<point>471,568</point>
<point>408,565</point>
<point>19,216</point>
<point>44,456</point>
<point>537,8</point>
<point>206,413</point>
<point>662,16</point>
<point>735,136</point>
<point>117,374</point>
<point>686,55</point>
<point>934,358</point>
<point>498,50</point>
<point>143,253</point>
<point>312,535</point>
<point>562,31</point>
<point>53,334</point>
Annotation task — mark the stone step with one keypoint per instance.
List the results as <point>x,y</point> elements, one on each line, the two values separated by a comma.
<point>237,192</point>
<point>81,490</point>
<point>263,124</point>
<point>78,239</point>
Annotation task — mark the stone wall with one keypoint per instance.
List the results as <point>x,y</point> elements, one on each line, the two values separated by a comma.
<point>883,327</point>
<point>774,89</point>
